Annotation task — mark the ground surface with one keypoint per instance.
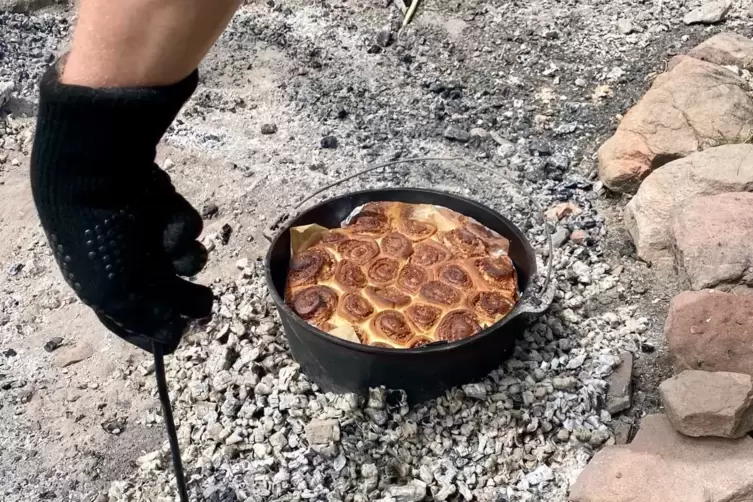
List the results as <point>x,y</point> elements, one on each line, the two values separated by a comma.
<point>536,73</point>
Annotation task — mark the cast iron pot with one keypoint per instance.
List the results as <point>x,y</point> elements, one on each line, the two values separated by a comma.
<point>341,366</point>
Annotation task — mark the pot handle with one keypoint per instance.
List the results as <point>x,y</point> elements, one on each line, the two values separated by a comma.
<point>531,304</point>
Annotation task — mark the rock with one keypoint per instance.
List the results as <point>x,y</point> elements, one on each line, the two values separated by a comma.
<point>329,142</point>
<point>622,432</point>
<point>726,49</point>
<point>269,128</point>
<point>53,344</point>
<point>711,331</point>
<point>209,210</point>
<point>648,216</point>
<point>73,355</point>
<point>384,38</point>
<point>708,13</point>
<point>10,353</point>
<point>579,236</point>
<point>539,475</point>
<point>563,210</point>
<point>712,241</point>
<point>702,403</point>
<point>662,465</point>
<point>618,397</point>
<point>559,237</point>
<point>475,391</point>
<point>480,133</point>
<point>414,491</point>
<point>24,5</point>
<point>323,431</point>
<point>694,106</point>
<point>6,88</point>
<point>625,26</point>
<point>456,134</point>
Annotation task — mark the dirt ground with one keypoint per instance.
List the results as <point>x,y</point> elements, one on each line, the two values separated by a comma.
<point>522,69</point>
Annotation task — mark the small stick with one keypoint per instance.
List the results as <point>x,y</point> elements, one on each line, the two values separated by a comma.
<point>400,4</point>
<point>411,12</point>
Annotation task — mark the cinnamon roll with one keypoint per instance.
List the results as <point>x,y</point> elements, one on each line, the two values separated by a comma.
<point>392,325</point>
<point>496,245</point>
<point>416,230</point>
<point>411,278</point>
<point>440,293</point>
<point>309,266</point>
<point>370,224</point>
<point>349,276</point>
<point>457,325</point>
<point>387,298</point>
<point>463,244</point>
<point>499,272</point>
<point>382,207</point>
<point>429,253</point>
<point>490,305</point>
<point>331,239</point>
<point>455,275</point>
<point>383,271</point>
<point>314,304</point>
<point>419,342</point>
<point>359,251</point>
<point>423,316</point>
<point>396,245</point>
<point>355,308</point>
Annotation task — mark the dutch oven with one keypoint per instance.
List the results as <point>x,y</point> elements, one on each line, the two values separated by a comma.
<point>341,366</point>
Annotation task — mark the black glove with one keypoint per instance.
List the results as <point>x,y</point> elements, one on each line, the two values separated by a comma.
<point>119,231</point>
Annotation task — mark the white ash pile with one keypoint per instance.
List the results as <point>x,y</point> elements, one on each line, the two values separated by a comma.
<point>253,427</point>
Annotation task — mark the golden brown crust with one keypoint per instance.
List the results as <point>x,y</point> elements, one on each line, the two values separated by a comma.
<point>463,244</point>
<point>424,317</point>
<point>419,341</point>
<point>457,325</point>
<point>310,266</point>
<point>355,308</point>
<point>359,251</point>
<point>330,239</point>
<point>315,304</point>
<point>387,298</point>
<point>392,325</point>
<point>439,293</point>
<point>349,276</point>
<point>411,278</point>
<point>383,271</point>
<point>396,245</point>
<point>498,273</point>
<point>429,253</point>
<point>490,305</point>
<point>416,230</point>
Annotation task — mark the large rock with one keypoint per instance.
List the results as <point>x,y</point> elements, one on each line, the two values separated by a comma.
<point>662,465</point>
<point>728,49</point>
<point>710,12</point>
<point>702,403</point>
<point>648,215</point>
<point>694,106</point>
<point>713,241</point>
<point>711,331</point>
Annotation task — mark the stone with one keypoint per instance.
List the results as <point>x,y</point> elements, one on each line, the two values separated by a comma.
<point>414,491</point>
<point>268,129</point>
<point>625,26</point>
<point>6,88</point>
<point>480,133</point>
<point>648,216</point>
<point>622,432</point>
<point>24,5</point>
<point>579,236</point>
<point>711,331</point>
<point>384,38</point>
<point>662,465</point>
<point>712,241</point>
<point>726,49</point>
<point>329,142</point>
<point>475,391</point>
<point>619,394</point>
<point>559,237</point>
<point>563,210</point>
<point>708,12</point>
<point>73,355</point>
<point>456,134</point>
<point>53,344</point>
<point>694,106</point>
<point>702,403</point>
<point>322,432</point>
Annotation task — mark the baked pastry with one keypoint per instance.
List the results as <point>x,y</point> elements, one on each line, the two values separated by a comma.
<point>404,276</point>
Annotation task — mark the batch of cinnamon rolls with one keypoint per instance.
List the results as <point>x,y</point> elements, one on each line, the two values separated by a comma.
<point>402,276</point>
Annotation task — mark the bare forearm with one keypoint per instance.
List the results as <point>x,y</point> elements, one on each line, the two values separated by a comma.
<point>143,43</point>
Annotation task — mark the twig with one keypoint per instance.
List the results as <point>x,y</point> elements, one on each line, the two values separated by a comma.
<point>411,12</point>
<point>400,4</point>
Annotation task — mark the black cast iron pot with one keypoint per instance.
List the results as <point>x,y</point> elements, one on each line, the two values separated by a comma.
<point>341,366</point>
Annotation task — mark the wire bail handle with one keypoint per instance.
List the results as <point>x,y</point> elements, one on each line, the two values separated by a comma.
<point>530,304</point>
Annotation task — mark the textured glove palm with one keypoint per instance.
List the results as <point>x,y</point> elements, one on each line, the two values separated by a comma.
<point>119,231</point>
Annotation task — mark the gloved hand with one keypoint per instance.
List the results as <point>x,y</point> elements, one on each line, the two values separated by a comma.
<point>119,231</point>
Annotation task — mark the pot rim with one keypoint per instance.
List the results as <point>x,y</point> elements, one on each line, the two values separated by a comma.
<point>491,330</point>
